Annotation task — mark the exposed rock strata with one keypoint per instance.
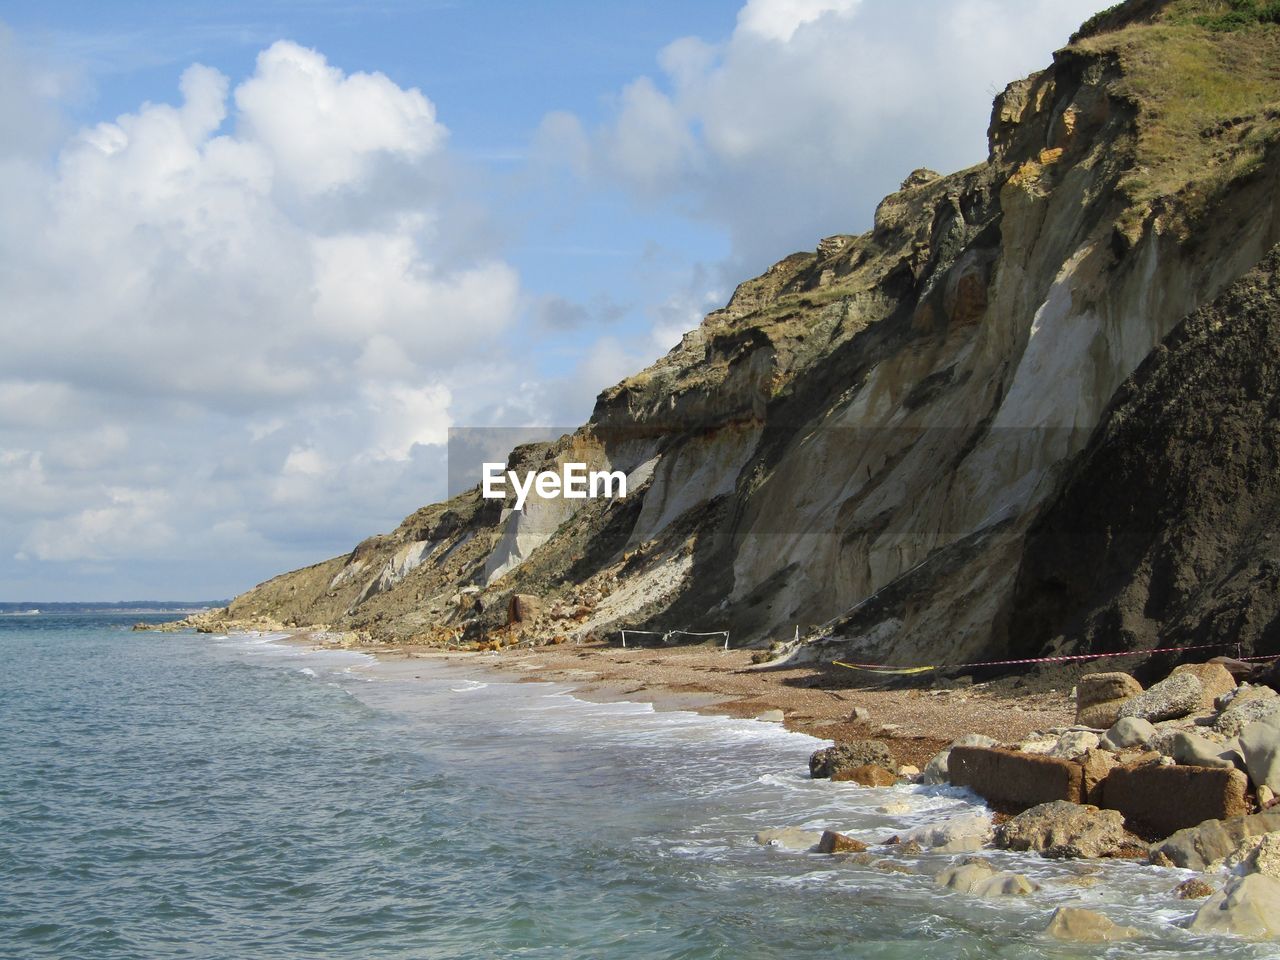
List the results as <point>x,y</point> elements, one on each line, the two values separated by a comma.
<point>864,435</point>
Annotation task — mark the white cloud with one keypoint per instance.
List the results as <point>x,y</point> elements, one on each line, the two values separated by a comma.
<point>244,310</point>
<point>323,129</point>
<point>779,19</point>
<point>130,525</point>
<point>812,110</point>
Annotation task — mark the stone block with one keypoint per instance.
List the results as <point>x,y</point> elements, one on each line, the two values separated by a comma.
<point>1006,776</point>
<point>1171,798</point>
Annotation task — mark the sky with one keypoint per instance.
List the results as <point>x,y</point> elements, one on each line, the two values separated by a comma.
<point>257,258</point>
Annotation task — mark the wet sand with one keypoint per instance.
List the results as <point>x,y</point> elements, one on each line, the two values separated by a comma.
<point>815,699</point>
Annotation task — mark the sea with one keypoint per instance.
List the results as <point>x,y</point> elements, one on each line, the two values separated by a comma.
<point>197,796</point>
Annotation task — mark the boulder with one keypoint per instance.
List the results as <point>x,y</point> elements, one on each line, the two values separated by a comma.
<point>1097,765</point>
<point>771,716</point>
<point>1260,746</point>
<point>1128,732</point>
<point>1215,680</point>
<point>982,880</point>
<point>1177,695</point>
<point>1199,847</point>
<point>1077,925</point>
<point>1006,776</point>
<point>1073,744</point>
<point>1197,888</point>
<point>1170,798</point>
<point>1062,829</point>
<point>1191,749</point>
<point>833,842</point>
<point>868,775</point>
<point>937,770</point>
<point>522,607</point>
<point>788,838</point>
<point>1265,858</point>
<point>1241,712</point>
<point>1247,906</point>
<point>958,835</point>
<point>850,754</point>
<point>1099,697</point>
<point>1238,669</point>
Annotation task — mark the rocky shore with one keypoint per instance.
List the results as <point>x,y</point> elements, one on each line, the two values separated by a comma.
<point>1075,766</point>
<point>1182,774</point>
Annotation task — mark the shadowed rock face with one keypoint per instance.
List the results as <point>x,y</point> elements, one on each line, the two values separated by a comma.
<point>864,435</point>
<point>1164,532</point>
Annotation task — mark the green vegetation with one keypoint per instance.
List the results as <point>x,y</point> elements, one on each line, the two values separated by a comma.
<point>1241,13</point>
<point>1207,96</point>
<point>1095,23</point>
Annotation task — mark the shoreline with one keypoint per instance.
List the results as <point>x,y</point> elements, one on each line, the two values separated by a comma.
<point>915,723</point>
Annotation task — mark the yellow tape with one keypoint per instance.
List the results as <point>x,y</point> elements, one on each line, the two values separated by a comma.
<point>854,666</point>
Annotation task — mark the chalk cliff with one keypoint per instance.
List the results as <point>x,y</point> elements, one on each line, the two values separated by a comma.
<point>912,442</point>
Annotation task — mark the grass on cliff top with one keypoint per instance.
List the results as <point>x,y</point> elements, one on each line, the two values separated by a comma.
<point>1189,73</point>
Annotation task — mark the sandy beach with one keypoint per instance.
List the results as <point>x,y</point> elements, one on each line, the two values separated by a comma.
<point>815,699</point>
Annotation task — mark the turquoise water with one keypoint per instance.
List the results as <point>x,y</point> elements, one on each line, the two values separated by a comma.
<point>181,796</point>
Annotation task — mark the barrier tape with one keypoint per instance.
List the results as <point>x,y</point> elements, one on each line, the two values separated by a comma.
<point>887,669</point>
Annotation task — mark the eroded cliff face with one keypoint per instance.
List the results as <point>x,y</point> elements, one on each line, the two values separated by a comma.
<point>859,441</point>
<point>1165,530</point>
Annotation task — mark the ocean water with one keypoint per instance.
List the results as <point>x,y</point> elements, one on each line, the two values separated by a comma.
<point>183,796</point>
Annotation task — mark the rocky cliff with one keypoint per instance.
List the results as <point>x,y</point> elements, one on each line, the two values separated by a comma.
<point>894,442</point>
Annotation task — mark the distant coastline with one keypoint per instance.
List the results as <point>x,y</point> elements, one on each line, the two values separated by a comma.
<point>33,607</point>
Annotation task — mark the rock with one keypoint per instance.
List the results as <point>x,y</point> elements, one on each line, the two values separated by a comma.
<point>1039,747</point>
<point>1128,732</point>
<point>981,880</point>
<point>1266,797</point>
<point>919,177</point>
<point>1194,889</point>
<point>788,838</point>
<point>1238,669</point>
<point>833,842</point>
<point>1193,750</point>
<point>859,715</point>
<point>892,866</point>
<point>1077,925</point>
<point>1074,743</point>
<point>959,835</point>
<point>1097,765</point>
<point>1215,680</point>
<point>1170,798</point>
<point>1198,847</point>
<point>936,770</point>
<point>894,807</point>
<point>523,607</point>
<point>1264,858</point>
<point>1006,776</point>
<point>1247,906</point>
<point>1243,711</point>
<point>1099,697</point>
<point>1061,829</point>
<point>1260,746</point>
<point>771,716</point>
<point>1177,695</point>
<point>868,775</point>
<point>907,771</point>
<point>852,753</point>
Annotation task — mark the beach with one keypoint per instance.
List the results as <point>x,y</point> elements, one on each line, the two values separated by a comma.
<point>814,699</point>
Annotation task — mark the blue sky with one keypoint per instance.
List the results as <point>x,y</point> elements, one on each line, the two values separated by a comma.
<point>257,258</point>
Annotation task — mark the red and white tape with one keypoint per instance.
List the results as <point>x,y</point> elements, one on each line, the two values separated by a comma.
<point>887,668</point>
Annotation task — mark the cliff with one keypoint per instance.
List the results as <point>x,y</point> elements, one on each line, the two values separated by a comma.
<point>887,442</point>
